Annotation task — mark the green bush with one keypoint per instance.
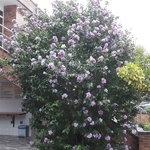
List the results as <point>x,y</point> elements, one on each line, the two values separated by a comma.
<point>141,124</point>
<point>147,127</point>
<point>148,110</point>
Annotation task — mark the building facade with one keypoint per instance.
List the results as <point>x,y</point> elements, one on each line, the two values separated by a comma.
<point>11,115</point>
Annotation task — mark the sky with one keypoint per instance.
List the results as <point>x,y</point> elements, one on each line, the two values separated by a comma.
<point>134,16</point>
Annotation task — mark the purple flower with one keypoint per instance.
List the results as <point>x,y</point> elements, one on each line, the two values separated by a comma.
<point>71,42</point>
<point>110,31</point>
<point>39,57</point>
<point>40,109</point>
<point>108,100</point>
<point>92,34</point>
<point>107,138</point>
<point>51,65</point>
<point>87,34</point>
<point>24,97</point>
<point>92,123</point>
<point>100,120</point>
<point>89,135</point>
<point>100,103</point>
<point>38,39</point>
<point>84,124</point>
<point>61,53</point>
<point>50,132</point>
<point>105,68</point>
<point>125,139</point>
<point>98,86</point>
<point>106,90</point>
<point>88,95</point>
<point>76,37</point>
<point>73,148</point>
<point>108,146</point>
<point>43,61</point>
<point>92,60</point>
<point>63,38</point>
<point>45,24</point>
<point>28,48</point>
<point>64,96</point>
<point>126,147</point>
<point>17,50</point>
<point>103,80</point>
<point>85,111</point>
<point>1,70</point>
<point>76,101</point>
<point>113,53</point>
<point>124,131</point>
<point>53,85</point>
<point>70,55</point>
<point>45,140</point>
<point>79,28</point>
<point>89,119</point>
<point>31,142</point>
<point>128,126</point>
<point>53,45</point>
<point>63,59</point>
<point>93,103</point>
<point>117,69</point>
<point>95,135</point>
<point>125,117</point>
<point>55,81</point>
<point>33,59</point>
<point>75,124</point>
<point>55,38</point>
<point>54,90</point>
<point>99,136</point>
<point>79,79</point>
<point>14,20</point>
<point>63,46</point>
<point>63,68</point>
<point>53,56</point>
<point>100,112</point>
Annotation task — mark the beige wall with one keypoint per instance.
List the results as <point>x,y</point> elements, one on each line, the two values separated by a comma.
<point>29,4</point>
<point>19,18</point>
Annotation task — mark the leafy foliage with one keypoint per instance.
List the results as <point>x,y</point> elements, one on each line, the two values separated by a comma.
<point>137,72</point>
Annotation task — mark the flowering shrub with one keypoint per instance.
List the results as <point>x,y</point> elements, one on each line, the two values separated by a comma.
<point>67,66</point>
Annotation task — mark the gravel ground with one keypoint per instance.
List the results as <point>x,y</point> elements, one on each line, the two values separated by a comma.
<point>14,143</point>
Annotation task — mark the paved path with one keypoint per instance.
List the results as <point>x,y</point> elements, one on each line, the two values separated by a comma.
<point>14,143</point>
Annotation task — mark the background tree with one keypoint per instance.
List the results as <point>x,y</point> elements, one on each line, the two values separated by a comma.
<point>137,72</point>
<point>67,66</point>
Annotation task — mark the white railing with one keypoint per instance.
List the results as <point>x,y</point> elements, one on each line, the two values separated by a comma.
<point>4,36</point>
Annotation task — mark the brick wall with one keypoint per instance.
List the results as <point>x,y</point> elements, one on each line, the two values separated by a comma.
<point>145,118</point>
<point>132,141</point>
<point>9,15</point>
<point>3,55</point>
<point>144,140</point>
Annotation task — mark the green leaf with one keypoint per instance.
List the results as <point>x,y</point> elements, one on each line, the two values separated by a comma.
<point>79,147</point>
